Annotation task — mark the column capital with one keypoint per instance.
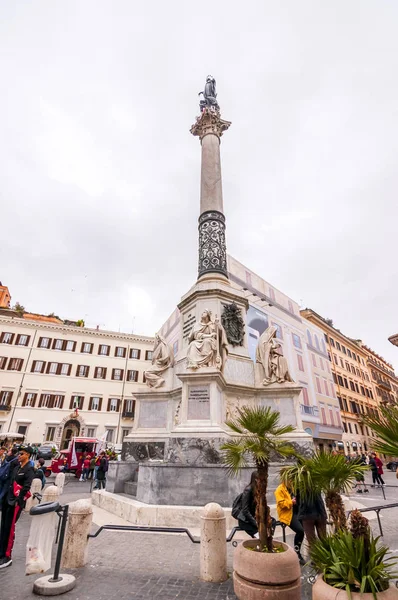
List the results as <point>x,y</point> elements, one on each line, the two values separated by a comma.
<point>209,122</point>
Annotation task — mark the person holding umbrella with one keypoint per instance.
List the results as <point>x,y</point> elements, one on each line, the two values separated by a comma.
<point>21,477</point>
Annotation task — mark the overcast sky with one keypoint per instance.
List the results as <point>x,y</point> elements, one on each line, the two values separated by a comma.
<point>100,176</point>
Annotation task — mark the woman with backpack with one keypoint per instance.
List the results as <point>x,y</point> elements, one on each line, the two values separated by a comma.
<point>244,508</point>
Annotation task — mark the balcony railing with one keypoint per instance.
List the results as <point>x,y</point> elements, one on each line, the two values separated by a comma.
<point>309,410</point>
<point>5,407</point>
<point>385,384</point>
<point>126,414</point>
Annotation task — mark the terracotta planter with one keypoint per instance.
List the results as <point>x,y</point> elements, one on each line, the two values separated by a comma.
<point>323,591</point>
<point>262,576</point>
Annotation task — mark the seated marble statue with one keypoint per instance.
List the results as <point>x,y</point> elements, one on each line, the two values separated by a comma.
<point>208,345</point>
<point>162,359</point>
<point>269,354</point>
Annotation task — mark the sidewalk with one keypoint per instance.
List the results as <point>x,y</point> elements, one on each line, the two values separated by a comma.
<point>130,565</point>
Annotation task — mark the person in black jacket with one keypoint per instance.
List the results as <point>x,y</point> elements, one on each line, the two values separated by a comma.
<point>312,514</point>
<point>21,477</point>
<point>246,517</point>
<point>102,470</point>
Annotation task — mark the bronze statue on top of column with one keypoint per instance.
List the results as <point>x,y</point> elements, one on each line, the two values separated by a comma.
<point>209,95</point>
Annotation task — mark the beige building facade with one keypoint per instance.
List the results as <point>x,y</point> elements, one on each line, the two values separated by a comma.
<point>350,362</point>
<point>303,346</point>
<point>58,380</point>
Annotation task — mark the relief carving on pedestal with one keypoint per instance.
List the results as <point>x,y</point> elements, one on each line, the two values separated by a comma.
<point>269,354</point>
<point>208,344</point>
<point>162,359</point>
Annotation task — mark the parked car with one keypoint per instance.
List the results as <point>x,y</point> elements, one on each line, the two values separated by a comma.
<point>47,451</point>
<point>392,465</point>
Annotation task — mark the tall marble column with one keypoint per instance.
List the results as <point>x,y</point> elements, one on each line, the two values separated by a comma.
<point>209,127</point>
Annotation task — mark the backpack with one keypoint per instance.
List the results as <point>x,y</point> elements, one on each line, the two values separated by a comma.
<point>237,506</point>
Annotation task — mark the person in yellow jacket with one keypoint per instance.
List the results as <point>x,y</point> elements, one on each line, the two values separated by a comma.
<point>287,509</point>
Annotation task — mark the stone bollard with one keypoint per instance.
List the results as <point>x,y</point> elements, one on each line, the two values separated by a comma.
<point>80,518</point>
<point>50,494</point>
<point>35,488</point>
<point>213,544</point>
<point>60,482</point>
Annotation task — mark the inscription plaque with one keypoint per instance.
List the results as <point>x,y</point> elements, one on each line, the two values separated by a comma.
<point>189,321</point>
<point>198,403</point>
<point>153,414</point>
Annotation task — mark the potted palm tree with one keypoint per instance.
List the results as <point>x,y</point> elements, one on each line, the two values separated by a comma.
<point>350,562</point>
<point>263,568</point>
<point>325,473</point>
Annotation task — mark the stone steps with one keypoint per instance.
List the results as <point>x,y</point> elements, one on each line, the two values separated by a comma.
<point>130,488</point>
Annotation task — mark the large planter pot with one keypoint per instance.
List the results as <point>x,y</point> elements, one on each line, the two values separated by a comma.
<point>324,591</point>
<point>263,576</point>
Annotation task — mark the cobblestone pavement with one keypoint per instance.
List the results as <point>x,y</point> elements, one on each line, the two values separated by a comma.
<point>155,566</point>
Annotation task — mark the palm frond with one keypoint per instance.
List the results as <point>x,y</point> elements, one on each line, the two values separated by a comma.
<point>385,426</point>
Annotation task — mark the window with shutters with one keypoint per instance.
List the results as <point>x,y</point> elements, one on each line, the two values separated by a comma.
<point>313,359</point>
<point>82,371</point>
<point>70,346</point>
<point>58,344</point>
<point>52,368</point>
<point>91,432</point>
<point>50,434</point>
<point>15,364</point>
<point>103,350</point>
<point>45,401</point>
<point>110,434</point>
<point>38,366</point>
<point>120,352</point>
<point>340,379</point>
<point>343,349</point>
<point>100,373</point>
<point>5,397</point>
<point>352,386</point>
<point>76,402</point>
<point>117,374</point>
<point>331,415</point>
<point>3,362</point>
<point>338,346</point>
<point>349,352</point>
<point>323,415</point>
<point>345,383</point>
<point>29,399</point>
<point>148,355</point>
<point>128,409</point>
<point>44,342</point>
<point>300,362</point>
<point>305,397</point>
<point>23,340</point>
<point>87,348</point>
<point>325,383</point>
<point>58,401</point>
<point>135,353</point>
<point>6,338</point>
<point>318,385</point>
<point>65,369</point>
<point>95,403</point>
<point>113,405</point>
<point>132,375</point>
<point>331,341</point>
